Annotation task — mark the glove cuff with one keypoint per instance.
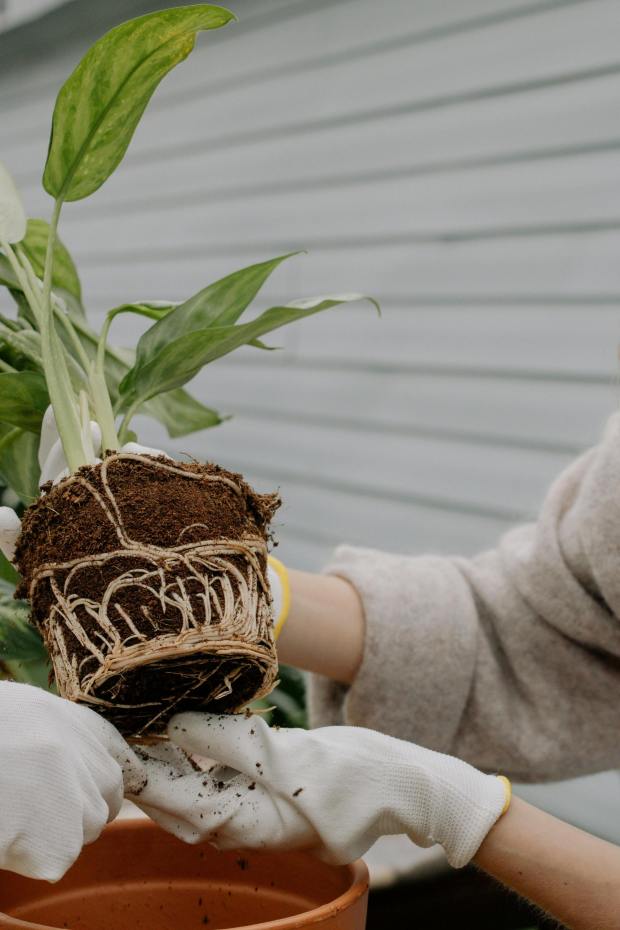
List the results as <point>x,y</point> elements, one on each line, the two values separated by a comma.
<point>280,593</point>
<point>471,822</point>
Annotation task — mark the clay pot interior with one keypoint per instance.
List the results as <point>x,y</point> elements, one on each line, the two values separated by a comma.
<point>136,877</point>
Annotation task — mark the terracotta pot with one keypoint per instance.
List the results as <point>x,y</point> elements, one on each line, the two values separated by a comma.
<point>136,877</point>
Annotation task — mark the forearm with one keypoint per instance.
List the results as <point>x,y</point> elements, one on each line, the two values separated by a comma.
<point>568,873</point>
<point>324,632</point>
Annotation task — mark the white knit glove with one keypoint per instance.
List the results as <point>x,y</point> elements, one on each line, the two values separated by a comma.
<point>60,780</point>
<point>54,468</point>
<point>334,790</point>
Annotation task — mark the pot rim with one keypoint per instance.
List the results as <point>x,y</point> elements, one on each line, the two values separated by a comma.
<point>358,872</point>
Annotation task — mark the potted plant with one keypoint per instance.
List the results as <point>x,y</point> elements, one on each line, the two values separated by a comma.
<point>146,576</point>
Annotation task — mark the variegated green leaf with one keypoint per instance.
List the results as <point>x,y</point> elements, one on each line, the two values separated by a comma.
<point>100,104</point>
<point>177,362</point>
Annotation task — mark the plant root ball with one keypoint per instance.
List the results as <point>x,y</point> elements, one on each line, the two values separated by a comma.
<point>147,579</point>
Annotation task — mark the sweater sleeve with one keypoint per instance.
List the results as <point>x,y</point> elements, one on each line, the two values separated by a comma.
<point>510,660</point>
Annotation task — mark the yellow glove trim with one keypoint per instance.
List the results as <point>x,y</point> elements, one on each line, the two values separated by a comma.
<point>507,792</point>
<point>282,574</point>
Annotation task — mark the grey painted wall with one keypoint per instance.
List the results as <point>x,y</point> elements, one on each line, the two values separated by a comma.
<point>456,159</point>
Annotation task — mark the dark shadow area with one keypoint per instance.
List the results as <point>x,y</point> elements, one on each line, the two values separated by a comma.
<point>460,900</point>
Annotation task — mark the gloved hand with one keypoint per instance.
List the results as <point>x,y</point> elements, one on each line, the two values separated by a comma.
<point>61,780</point>
<point>334,790</point>
<point>54,468</point>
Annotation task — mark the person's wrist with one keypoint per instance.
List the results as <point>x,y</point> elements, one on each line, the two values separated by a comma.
<point>277,575</point>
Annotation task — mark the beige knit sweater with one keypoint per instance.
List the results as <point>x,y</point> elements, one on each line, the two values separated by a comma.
<point>510,660</point>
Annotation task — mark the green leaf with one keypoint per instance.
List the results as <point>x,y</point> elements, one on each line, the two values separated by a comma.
<point>181,413</point>
<point>100,104</point>
<point>7,572</point>
<point>17,345</point>
<point>23,399</point>
<point>181,359</point>
<point>221,303</point>
<point>18,639</point>
<point>19,463</point>
<point>22,651</point>
<point>64,274</point>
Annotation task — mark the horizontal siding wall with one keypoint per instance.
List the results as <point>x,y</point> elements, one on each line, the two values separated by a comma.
<point>457,160</point>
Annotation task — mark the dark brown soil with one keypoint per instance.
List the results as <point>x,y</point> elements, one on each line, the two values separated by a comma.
<point>157,508</point>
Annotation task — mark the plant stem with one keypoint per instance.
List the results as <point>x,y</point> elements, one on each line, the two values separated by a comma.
<point>101,396</point>
<point>13,325</point>
<point>81,353</point>
<point>55,366</point>
<point>130,413</point>
<point>4,366</point>
<point>34,299</point>
<point>104,413</point>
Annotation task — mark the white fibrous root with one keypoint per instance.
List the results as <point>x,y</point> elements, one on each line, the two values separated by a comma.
<point>227,612</point>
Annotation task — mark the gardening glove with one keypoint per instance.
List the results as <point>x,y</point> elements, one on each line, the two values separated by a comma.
<point>61,780</point>
<point>333,790</point>
<point>54,468</point>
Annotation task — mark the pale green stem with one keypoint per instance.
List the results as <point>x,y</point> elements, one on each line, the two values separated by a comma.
<point>36,286</point>
<point>103,341</point>
<point>80,351</point>
<point>131,412</point>
<point>13,325</point>
<point>4,366</point>
<point>101,396</point>
<point>87,436</point>
<point>85,331</point>
<point>104,413</point>
<point>55,366</point>
<point>34,299</point>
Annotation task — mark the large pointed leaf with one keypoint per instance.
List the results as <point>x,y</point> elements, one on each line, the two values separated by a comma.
<point>177,362</point>
<point>100,104</point>
<point>221,303</point>
<point>23,399</point>
<point>12,216</point>
<point>64,276</point>
<point>19,464</point>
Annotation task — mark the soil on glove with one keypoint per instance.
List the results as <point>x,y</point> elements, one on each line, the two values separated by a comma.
<point>137,558</point>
